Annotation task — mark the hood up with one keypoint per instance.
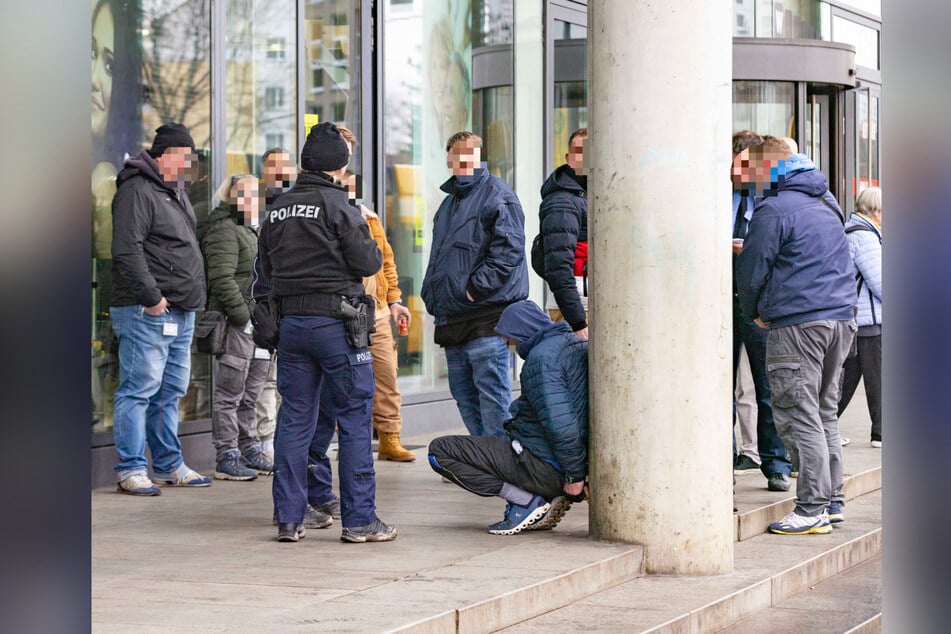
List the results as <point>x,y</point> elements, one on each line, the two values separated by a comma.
<point>527,324</point>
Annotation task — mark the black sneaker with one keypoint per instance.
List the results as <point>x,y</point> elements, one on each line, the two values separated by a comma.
<point>743,464</point>
<point>258,461</point>
<point>778,482</point>
<point>376,531</point>
<point>232,468</point>
<point>331,508</point>
<point>314,518</point>
<point>290,532</point>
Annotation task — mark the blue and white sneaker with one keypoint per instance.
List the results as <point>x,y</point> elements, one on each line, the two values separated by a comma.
<point>191,478</point>
<point>518,518</point>
<point>138,484</point>
<point>835,513</point>
<point>559,506</point>
<point>795,524</point>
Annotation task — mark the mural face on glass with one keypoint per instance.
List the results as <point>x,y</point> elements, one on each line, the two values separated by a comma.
<point>150,64</point>
<point>116,59</point>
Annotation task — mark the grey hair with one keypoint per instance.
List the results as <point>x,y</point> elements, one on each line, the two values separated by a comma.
<point>869,202</point>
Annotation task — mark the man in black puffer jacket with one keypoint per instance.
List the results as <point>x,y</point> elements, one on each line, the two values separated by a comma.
<point>542,462</point>
<point>158,283</point>
<point>563,217</point>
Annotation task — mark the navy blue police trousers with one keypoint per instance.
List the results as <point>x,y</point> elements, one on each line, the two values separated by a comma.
<point>313,355</point>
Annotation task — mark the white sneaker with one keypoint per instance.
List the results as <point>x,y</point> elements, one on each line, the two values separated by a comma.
<point>877,444</point>
<point>138,484</point>
<point>845,440</point>
<point>795,524</point>
<point>191,479</point>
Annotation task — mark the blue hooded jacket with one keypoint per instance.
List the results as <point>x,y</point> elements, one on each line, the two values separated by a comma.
<point>795,265</point>
<point>478,246</point>
<point>550,417</point>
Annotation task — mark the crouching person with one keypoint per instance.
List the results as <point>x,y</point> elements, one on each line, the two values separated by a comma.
<point>539,468</point>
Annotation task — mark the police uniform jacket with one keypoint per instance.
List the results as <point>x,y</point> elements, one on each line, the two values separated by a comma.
<point>155,249</point>
<point>313,242</point>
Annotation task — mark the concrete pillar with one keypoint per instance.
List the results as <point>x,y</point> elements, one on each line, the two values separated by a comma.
<point>659,220</point>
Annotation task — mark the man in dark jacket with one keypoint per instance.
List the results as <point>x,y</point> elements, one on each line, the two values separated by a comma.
<point>315,248</point>
<point>476,268</point>
<point>541,463</point>
<point>158,282</point>
<point>774,460</point>
<point>278,172</point>
<point>563,217</point>
<point>795,277</point>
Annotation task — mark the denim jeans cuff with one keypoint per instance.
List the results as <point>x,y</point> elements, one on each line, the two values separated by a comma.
<point>124,475</point>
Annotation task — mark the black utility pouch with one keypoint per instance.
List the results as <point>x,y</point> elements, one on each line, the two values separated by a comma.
<point>354,314</point>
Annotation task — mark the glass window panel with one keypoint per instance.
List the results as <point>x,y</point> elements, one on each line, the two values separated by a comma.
<point>813,131</point>
<point>873,141</point>
<point>766,107</point>
<point>863,38</point>
<point>744,18</point>
<point>150,65</point>
<point>873,7</point>
<point>787,18</point>
<point>332,57</point>
<point>861,142</point>
<point>429,94</point>
<point>570,89</point>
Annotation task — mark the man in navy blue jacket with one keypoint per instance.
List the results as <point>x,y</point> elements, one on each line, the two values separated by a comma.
<point>795,277</point>
<point>476,268</point>
<point>541,463</point>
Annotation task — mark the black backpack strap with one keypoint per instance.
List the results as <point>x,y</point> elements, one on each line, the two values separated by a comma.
<point>835,210</point>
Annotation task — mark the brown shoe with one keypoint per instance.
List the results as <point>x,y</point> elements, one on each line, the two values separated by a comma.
<point>392,449</point>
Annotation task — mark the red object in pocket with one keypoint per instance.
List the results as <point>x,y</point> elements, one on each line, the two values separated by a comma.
<point>581,258</point>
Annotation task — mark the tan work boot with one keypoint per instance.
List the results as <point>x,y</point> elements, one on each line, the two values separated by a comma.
<point>392,449</point>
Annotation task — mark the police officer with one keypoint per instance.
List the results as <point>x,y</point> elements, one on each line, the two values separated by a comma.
<point>316,248</point>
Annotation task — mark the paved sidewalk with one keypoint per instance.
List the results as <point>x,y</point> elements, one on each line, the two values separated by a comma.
<point>206,560</point>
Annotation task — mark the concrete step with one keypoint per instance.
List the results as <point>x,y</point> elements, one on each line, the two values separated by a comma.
<point>757,512</point>
<point>852,599</point>
<point>769,569</point>
<point>527,601</point>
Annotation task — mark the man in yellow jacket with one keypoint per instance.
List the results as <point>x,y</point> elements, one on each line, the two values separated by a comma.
<point>384,287</point>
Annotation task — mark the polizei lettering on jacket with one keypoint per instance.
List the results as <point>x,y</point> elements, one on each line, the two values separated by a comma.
<point>301,211</point>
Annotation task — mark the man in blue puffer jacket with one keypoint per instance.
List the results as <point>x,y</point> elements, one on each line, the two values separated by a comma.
<point>795,277</point>
<point>541,464</point>
<point>476,268</point>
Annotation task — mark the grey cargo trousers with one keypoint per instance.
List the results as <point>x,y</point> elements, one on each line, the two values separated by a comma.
<point>804,366</point>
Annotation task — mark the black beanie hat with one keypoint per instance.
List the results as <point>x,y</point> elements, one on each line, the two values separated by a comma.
<point>325,150</point>
<point>170,135</point>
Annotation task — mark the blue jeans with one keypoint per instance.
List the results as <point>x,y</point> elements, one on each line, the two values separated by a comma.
<point>480,381</point>
<point>153,376</point>
<point>772,453</point>
<point>313,355</point>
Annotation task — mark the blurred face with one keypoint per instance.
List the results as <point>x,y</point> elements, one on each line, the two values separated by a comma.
<point>103,48</point>
<point>247,198</point>
<point>759,174</point>
<point>464,157</point>
<point>278,172</point>
<point>575,156</point>
<point>178,165</point>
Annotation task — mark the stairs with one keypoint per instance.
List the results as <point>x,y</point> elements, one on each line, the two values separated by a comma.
<point>827,583</point>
